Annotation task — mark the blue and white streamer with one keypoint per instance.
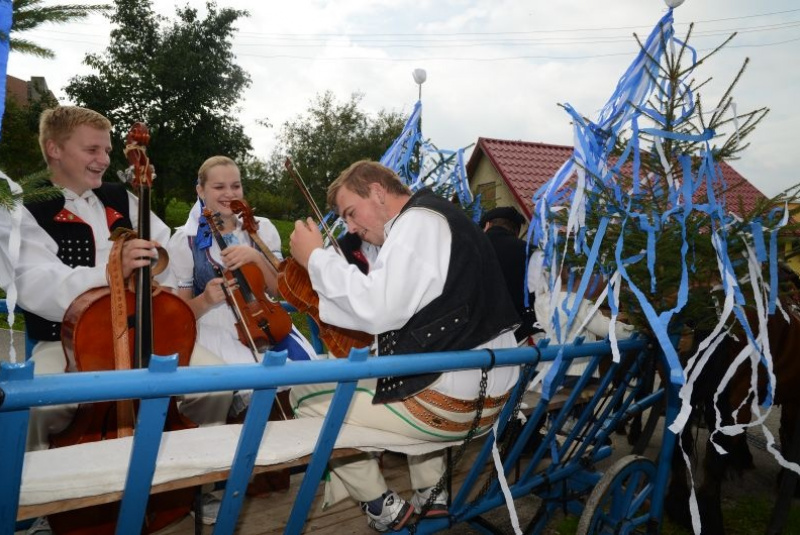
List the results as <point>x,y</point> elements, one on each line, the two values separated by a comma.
<point>443,171</point>
<point>592,171</point>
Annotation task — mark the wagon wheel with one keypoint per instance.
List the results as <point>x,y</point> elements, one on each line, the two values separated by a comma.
<point>620,503</point>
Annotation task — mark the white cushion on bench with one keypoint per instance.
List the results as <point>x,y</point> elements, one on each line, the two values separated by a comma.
<point>100,467</point>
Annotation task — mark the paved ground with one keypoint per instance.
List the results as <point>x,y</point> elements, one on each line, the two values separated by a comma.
<point>19,344</point>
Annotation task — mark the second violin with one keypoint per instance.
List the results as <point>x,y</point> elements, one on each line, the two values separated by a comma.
<point>260,321</point>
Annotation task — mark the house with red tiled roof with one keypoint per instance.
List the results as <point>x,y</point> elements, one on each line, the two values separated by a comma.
<point>508,173</point>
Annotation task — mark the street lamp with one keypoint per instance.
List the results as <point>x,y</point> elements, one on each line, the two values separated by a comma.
<point>419,77</point>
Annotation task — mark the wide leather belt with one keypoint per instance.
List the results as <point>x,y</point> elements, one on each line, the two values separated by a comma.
<point>417,408</point>
<point>437,399</point>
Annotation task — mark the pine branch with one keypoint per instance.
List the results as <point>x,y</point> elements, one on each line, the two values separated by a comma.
<point>724,101</point>
<point>704,58</point>
<point>35,187</point>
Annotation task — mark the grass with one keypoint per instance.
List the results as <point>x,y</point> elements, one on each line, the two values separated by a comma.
<point>19,321</point>
<point>285,229</point>
<point>744,516</point>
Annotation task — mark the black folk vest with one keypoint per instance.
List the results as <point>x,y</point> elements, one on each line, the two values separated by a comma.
<point>473,309</point>
<point>75,240</point>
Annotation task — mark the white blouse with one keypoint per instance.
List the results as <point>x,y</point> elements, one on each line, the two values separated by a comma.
<point>216,329</point>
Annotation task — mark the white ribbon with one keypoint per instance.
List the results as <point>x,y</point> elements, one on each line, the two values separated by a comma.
<point>8,264</point>
<point>501,478</point>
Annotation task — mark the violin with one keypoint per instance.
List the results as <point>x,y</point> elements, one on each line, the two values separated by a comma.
<point>295,286</point>
<point>96,330</point>
<point>260,321</point>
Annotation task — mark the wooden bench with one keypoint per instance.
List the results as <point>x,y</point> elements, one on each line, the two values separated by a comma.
<point>186,458</point>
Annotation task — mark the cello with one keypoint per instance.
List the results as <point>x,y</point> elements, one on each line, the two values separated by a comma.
<point>128,325</point>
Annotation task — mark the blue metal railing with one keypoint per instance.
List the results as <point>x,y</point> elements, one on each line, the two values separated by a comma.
<point>315,340</point>
<point>19,391</point>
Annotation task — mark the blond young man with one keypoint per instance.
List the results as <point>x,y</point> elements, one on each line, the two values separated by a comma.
<point>65,247</point>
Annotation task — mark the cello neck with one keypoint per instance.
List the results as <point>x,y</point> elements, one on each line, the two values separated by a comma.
<point>142,180</point>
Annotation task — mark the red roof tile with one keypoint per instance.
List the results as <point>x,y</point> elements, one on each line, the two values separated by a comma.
<point>526,166</point>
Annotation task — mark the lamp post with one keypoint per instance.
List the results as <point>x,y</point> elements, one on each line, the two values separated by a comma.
<point>419,77</point>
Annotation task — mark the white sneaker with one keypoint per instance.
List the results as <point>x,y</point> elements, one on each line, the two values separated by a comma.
<point>40,527</point>
<point>438,508</point>
<point>210,509</point>
<point>394,513</point>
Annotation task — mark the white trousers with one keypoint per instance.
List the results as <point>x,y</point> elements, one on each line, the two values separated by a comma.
<point>362,477</point>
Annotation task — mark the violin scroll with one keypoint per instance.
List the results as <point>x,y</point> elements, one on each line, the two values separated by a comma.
<point>245,213</point>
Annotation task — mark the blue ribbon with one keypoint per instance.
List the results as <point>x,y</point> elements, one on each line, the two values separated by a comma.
<point>203,239</point>
<point>5,31</point>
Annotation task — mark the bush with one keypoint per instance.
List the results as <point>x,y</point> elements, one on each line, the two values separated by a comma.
<point>176,213</point>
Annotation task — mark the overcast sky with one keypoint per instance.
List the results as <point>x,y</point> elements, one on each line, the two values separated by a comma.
<point>495,69</point>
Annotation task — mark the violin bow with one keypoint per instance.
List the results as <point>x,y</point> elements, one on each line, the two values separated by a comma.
<point>290,168</point>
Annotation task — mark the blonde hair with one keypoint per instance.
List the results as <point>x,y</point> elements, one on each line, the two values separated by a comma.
<point>214,161</point>
<point>59,123</point>
<point>358,177</point>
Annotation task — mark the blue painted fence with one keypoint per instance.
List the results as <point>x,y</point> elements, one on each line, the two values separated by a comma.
<point>19,391</point>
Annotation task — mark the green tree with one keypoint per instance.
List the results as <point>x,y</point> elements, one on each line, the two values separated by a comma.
<point>263,198</point>
<point>179,77</point>
<point>30,14</point>
<point>323,141</point>
<point>19,152</point>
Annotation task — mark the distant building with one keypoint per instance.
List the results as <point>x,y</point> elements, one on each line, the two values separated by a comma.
<point>23,93</point>
<point>508,173</point>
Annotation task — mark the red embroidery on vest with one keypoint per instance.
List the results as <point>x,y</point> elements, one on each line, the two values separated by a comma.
<point>65,216</point>
<point>112,216</point>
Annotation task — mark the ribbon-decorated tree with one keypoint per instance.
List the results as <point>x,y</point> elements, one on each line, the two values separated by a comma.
<point>644,204</point>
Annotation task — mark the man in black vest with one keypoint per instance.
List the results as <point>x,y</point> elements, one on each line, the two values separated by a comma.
<point>502,226</point>
<point>434,286</point>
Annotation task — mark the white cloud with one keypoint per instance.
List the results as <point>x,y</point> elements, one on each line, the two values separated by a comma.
<point>482,79</point>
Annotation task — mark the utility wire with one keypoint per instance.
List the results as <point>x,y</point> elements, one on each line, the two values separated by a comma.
<point>428,35</point>
<point>435,42</point>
